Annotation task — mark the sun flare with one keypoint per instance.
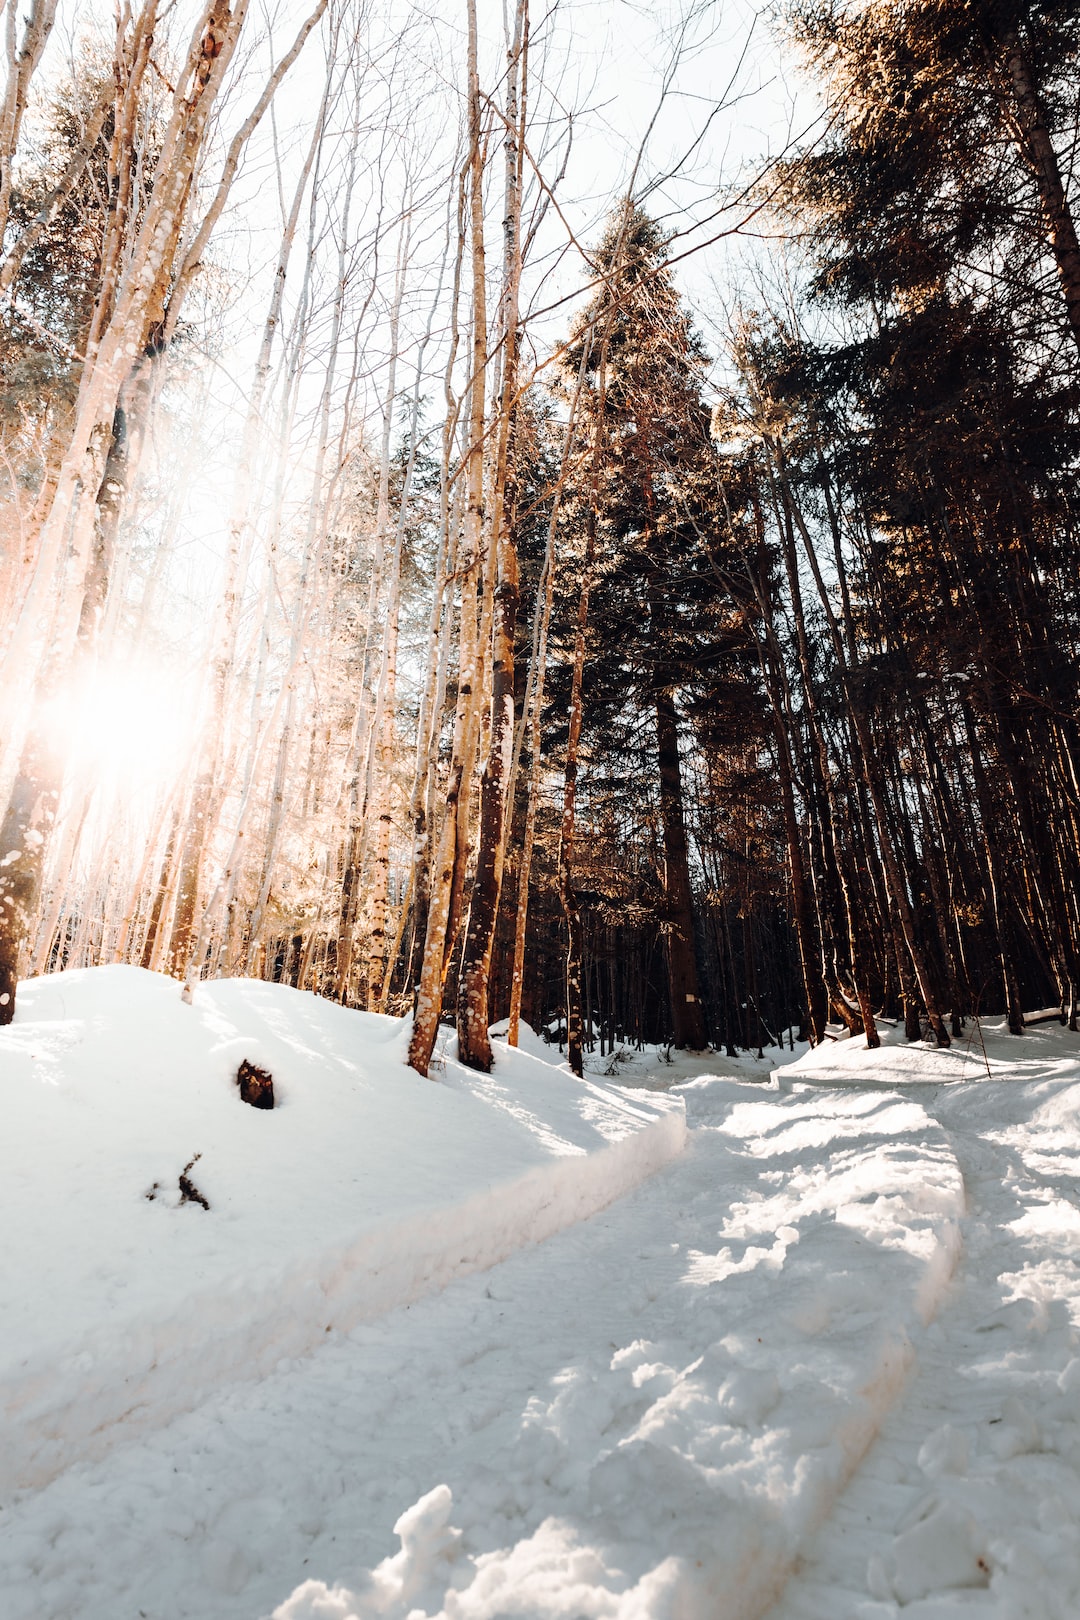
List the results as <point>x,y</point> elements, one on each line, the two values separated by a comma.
<point>126,726</point>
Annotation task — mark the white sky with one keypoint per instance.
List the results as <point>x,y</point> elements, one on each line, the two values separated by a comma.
<point>730,102</point>
<point>686,134</point>
<point>609,66</point>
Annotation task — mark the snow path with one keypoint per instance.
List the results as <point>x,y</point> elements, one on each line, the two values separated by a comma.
<point>969,1502</point>
<point>646,1415</point>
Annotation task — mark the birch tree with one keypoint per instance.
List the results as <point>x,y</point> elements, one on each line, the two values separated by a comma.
<point>451,850</point>
<point>474,1045</point>
<point>140,255</point>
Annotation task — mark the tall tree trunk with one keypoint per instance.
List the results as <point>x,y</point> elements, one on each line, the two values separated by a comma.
<point>474,1046</point>
<point>687,1012</point>
<point>1037,149</point>
<point>448,869</point>
<point>23,57</point>
<point>378,785</point>
<point>26,828</point>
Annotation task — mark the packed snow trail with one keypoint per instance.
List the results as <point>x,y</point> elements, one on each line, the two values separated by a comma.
<point>969,1503</point>
<point>646,1415</point>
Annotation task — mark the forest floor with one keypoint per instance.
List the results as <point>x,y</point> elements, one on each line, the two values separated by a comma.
<point>814,1355</point>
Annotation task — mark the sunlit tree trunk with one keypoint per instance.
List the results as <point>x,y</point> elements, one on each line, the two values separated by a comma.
<point>451,852</point>
<point>531,717</point>
<point>421,818</point>
<point>568,823</point>
<point>474,1046</point>
<point>122,330</point>
<point>23,57</point>
<point>533,704</point>
<point>381,750</point>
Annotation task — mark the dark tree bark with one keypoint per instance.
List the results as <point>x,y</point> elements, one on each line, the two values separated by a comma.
<point>1037,148</point>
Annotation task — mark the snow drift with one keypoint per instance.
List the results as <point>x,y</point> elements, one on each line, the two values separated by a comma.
<point>126,1303</point>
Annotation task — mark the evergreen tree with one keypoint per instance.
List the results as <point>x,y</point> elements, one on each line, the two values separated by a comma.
<point>923,468</point>
<point>662,627</point>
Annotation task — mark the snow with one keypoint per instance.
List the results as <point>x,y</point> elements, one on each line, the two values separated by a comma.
<point>812,1353</point>
<point>969,1503</point>
<point>123,1308</point>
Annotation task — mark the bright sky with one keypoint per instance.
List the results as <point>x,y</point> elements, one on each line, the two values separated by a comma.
<point>682,96</point>
<point>684,100</point>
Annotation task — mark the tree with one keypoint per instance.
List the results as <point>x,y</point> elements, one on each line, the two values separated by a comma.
<point>645,512</point>
<point>144,270</point>
<point>922,463</point>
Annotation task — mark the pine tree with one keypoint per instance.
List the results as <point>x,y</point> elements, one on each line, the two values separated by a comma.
<point>660,623</point>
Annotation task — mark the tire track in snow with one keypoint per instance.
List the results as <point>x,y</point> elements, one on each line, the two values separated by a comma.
<point>969,1501</point>
<point>840,1222</point>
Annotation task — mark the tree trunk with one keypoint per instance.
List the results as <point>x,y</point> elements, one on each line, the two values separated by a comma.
<point>687,1013</point>
<point>1037,149</point>
<point>448,870</point>
<point>474,1046</point>
<point>24,833</point>
<point>22,62</point>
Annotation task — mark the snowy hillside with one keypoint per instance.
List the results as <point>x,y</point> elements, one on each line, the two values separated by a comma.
<point>811,1353</point>
<point>364,1188</point>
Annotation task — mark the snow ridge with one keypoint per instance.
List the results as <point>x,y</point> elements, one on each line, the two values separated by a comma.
<point>196,1300</point>
<point>110,1391</point>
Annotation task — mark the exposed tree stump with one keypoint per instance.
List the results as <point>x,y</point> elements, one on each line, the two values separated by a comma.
<point>256,1085</point>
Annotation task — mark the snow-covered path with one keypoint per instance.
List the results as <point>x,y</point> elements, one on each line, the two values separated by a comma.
<point>652,1408</point>
<point>969,1502</point>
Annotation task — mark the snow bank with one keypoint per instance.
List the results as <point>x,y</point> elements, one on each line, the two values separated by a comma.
<point>985,1051</point>
<point>367,1188</point>
<point>678,1472</point>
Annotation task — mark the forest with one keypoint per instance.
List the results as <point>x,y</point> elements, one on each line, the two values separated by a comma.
<point>408,593</point>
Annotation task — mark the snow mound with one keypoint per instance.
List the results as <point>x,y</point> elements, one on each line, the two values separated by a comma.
<point>127,1300</point>
<point>985,1051</point>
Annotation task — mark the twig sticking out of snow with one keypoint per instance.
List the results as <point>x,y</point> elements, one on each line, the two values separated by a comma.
<point>189,1193</point>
